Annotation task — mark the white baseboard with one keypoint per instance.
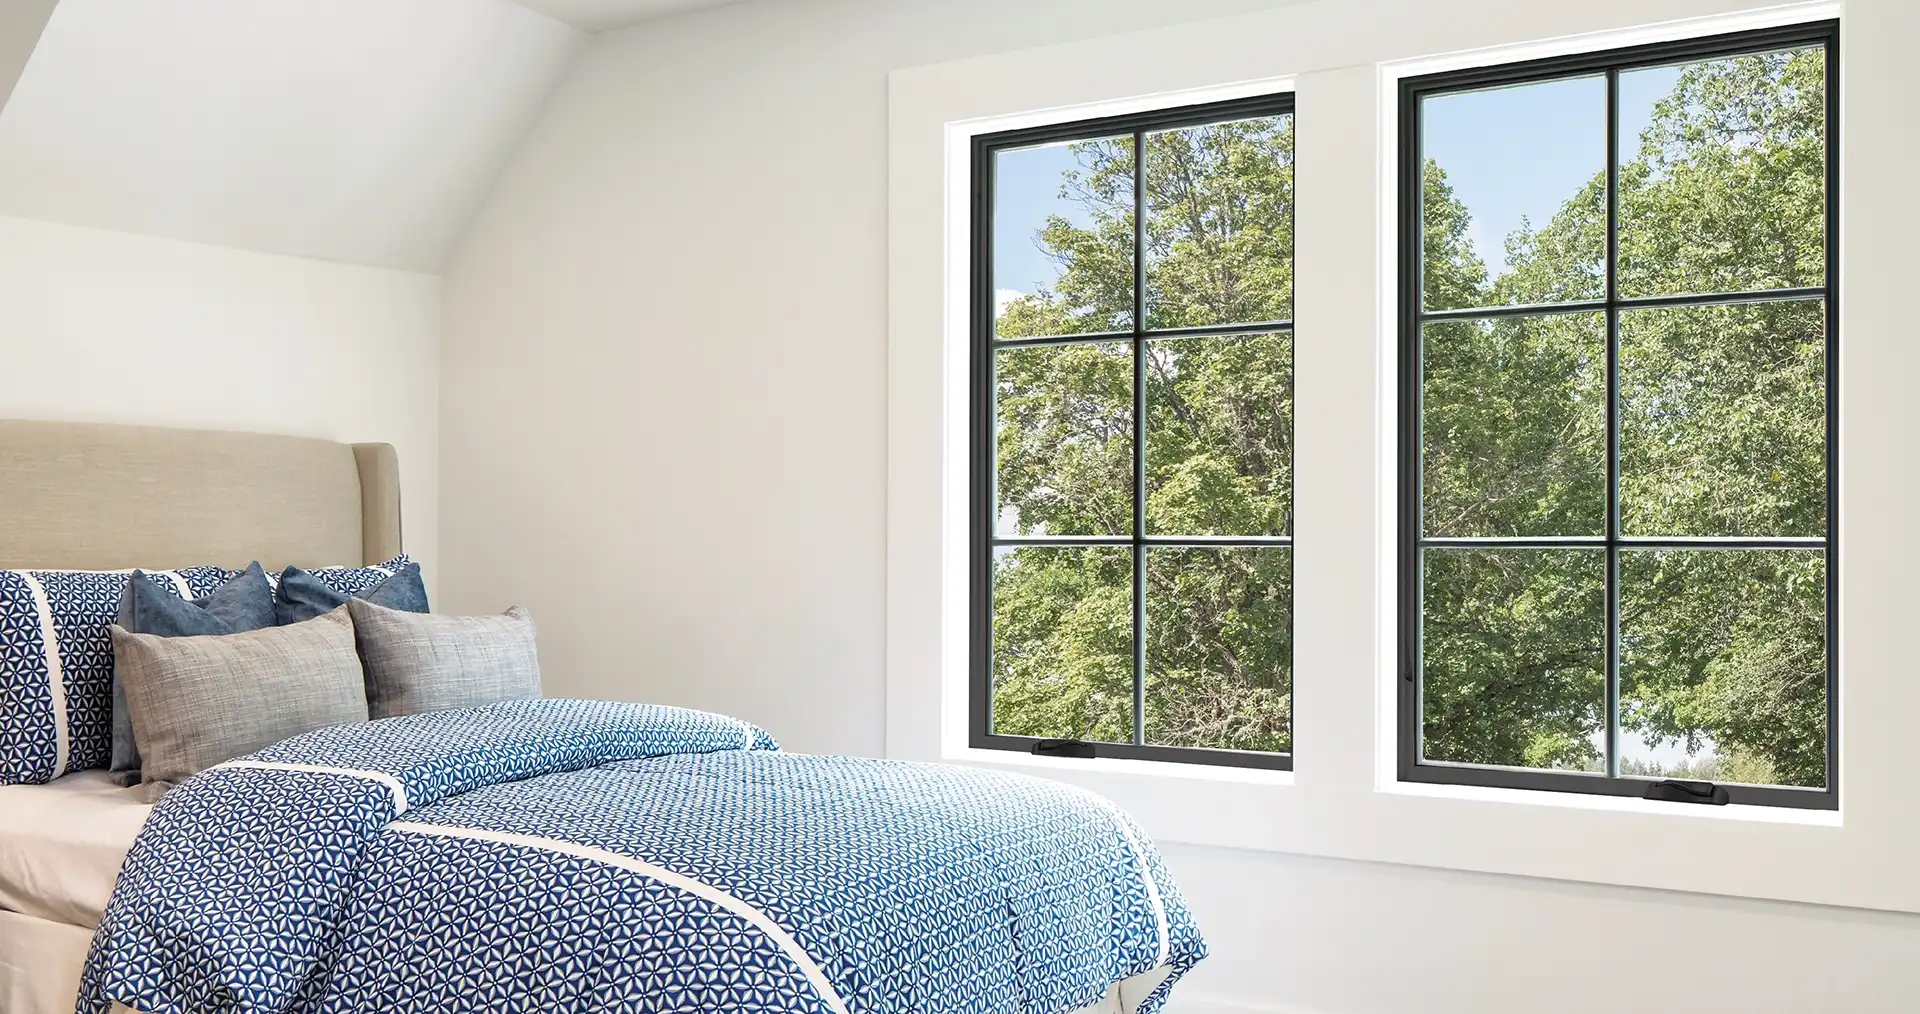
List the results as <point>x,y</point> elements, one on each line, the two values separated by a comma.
<point>1181,1003</point>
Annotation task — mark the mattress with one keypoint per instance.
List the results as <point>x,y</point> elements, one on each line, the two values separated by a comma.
<point>61,846</point>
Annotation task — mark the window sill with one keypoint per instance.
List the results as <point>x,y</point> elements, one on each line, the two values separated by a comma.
<point>1119,766</point>
<point>1616,804</point>
<point>1740,850</point>
<point>1164,771</point>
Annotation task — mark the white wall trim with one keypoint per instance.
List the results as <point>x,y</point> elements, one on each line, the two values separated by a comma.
<point>1182,1003</point>
<point>1342,799</point>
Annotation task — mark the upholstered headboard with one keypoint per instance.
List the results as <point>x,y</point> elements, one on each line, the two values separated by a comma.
<point>87,496</point>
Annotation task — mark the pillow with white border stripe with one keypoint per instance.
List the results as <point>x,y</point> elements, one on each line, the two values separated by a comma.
<point>302,594</point>
<point>56,665</point>
<point>350,581</point>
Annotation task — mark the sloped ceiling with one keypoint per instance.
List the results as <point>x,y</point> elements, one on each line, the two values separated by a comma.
<point>598,15</point>
<point>361,131</point>
<point>20,25</point>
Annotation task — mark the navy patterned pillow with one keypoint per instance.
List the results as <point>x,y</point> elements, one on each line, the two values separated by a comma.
<point>56,665</point>
<point>352,581</point>
<point>301,595</point>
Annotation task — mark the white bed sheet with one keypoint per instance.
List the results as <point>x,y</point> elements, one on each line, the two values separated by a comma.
<point>40,964</point>
<point>61,845</point>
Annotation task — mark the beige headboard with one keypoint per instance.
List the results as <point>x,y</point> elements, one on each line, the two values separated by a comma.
<point>87,496</point>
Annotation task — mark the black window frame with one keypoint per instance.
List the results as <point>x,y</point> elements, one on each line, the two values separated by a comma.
<point>1413,315</point>
<point>982,506</point>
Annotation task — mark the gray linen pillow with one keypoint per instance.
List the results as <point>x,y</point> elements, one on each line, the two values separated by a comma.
<point>245,602</point>
<point>418,662</point>
<point>198,701</point>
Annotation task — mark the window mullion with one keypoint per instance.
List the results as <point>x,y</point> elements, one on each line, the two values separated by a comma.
<point>1613,423</point>
<point>1139,437</point>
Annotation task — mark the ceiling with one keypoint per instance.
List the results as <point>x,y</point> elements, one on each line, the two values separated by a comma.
<point>20,25</point>
<point>599,15</point>
<point>360,131</point>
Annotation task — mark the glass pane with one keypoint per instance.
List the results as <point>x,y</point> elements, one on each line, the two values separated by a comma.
<point>1514,194</point>
<point>1220,648</point>
<point>1723,175</point>
<point>1064,424</point>
<point>1513,669</point>
<point>1063,238</point>
<point>1220,435</point>
<point>1723,665</point>
<point>1220,223</point>
<point>1514,426</point>
<point>1063,642</point>
<point>1723,420</point>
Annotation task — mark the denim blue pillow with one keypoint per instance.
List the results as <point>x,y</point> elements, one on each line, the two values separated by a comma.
<point>303,595</point>
<point>147,606</point>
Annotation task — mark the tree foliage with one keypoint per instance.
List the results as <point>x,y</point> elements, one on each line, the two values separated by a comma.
<point>1219,247</point>
<point>1722,421</point>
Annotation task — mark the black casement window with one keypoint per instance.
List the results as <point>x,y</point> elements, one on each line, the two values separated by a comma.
<point>1617,447</point>
<point>1132,426</point>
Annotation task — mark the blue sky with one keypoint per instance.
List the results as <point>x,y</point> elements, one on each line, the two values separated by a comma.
<point>1509,152</point>
<point>1514,153</point>
<point>1520,152</point>
<point>1027,190</point>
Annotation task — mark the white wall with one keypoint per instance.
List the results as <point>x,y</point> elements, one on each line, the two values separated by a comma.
<point>665,379</point>
<point>334,132</point>
<point>1303,935</point>
<point>111,327</point>
<point>664,420</point>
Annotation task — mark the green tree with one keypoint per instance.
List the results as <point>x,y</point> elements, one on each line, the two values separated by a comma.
<point>1722,433</point>
<point>1219,245</point>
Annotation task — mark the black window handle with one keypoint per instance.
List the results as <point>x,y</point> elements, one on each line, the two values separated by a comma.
<point>1063,748</point>
<point>1675,791</point>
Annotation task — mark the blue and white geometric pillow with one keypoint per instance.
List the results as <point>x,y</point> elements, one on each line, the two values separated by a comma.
<point>56,666</point>
<point>351,581</point>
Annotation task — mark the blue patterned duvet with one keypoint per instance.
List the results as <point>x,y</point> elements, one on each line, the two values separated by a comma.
<point>590,856</point>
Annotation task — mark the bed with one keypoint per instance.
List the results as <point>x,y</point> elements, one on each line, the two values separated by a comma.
<point>83,496</point>
<point>452,792</point>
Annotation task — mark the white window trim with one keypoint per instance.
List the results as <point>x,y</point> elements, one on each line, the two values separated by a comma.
<point>1344,60</point>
